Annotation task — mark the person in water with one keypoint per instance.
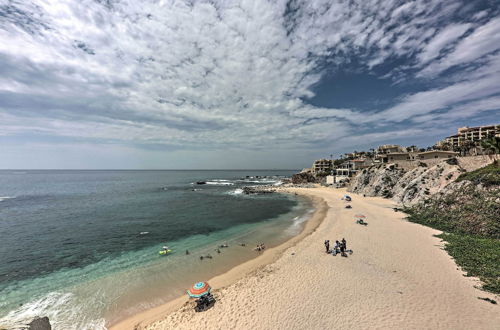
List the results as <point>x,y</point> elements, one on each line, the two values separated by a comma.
<point>187,252</point>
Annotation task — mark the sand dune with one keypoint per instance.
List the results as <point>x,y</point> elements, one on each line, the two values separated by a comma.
<point>398,277</point>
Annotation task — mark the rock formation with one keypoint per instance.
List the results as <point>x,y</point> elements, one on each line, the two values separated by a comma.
<point>405,187</point>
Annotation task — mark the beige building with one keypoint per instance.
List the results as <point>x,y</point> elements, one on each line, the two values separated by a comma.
<point>401,156</point>
<point>389,148</point>
<point>470,134</point>
<point>322,165</point>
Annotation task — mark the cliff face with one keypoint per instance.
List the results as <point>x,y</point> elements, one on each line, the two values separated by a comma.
<point>377,181</point>
<point>470,204</point>
<point>405,187</point>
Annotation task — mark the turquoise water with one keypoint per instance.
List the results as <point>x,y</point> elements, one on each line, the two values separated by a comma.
<point>82,246</point>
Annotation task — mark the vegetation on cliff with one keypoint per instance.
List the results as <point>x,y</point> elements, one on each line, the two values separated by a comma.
<point>469,214</point>
<point>487,176</point>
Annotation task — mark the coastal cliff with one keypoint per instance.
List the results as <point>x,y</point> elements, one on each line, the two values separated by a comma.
<point>405,187</point>
<point>409,187</point>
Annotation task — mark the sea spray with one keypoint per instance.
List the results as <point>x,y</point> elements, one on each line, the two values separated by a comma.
<point>63,310</point>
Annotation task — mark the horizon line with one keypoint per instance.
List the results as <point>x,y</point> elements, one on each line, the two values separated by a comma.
<point>142,169</point>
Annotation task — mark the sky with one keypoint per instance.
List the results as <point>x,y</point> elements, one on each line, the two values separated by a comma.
<point>126,84</point>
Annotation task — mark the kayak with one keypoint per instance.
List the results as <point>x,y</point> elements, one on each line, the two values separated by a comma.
<point>163,252</point>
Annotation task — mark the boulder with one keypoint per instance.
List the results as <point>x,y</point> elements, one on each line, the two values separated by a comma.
<point>40,323</point>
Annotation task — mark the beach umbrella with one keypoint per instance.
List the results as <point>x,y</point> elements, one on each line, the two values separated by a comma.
<point>199,289</point>
<point>359,216</point>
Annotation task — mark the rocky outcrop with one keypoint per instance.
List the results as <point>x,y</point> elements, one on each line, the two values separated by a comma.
<point>405,187</point>
<point>304,177</point>
<point>249,190</point>
<point>40,323</point>
<point>416,185</point>
<point>377,181</point>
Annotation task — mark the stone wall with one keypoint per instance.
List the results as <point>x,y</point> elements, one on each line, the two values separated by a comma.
<point>472,163</point>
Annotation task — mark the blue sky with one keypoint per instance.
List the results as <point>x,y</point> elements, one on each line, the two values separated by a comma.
<point>238,84</point>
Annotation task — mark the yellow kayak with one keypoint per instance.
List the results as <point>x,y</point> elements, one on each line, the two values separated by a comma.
<point>164,252</point>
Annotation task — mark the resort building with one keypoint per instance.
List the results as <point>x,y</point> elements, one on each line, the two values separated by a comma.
<point>389,148</point>
<point>355,154</point>
<point>349,168</point>
<point>322,166</point>
<point>401,156</point>
<point>470,134</point>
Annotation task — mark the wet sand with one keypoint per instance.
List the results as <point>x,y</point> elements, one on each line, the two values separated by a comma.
<point>398,277</point>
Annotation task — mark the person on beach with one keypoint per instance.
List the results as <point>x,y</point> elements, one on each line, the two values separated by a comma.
<point>344,243</point>
<point>327,245</point>
<point>342,250</point>
<point>218,250</point>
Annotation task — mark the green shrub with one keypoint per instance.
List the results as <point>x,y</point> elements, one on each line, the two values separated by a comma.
<point>488,175</point>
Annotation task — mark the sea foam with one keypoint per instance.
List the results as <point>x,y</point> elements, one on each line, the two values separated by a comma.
<point>62,310</point>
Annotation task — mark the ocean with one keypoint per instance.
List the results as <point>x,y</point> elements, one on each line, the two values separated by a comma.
<point>81,247</point>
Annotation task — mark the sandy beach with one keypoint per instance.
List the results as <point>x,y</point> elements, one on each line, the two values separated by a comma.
<point>398,277</point>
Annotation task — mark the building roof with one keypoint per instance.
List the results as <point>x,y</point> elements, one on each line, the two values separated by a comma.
<point>438,151</point>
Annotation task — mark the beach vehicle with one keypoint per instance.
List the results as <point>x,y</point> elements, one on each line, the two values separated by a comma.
<point>201,290</point>
<point>164,251</point>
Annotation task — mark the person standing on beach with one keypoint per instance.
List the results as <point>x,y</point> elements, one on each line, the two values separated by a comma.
<point>327,245</point>
<point>344,243</point>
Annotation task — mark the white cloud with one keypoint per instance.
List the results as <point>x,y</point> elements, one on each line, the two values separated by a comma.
<point>446,36</point>
<point>484,40</point>
<point>222,74</point>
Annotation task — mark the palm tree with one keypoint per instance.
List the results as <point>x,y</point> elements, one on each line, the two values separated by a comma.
<point>467,146</point>
<point>491,145</point>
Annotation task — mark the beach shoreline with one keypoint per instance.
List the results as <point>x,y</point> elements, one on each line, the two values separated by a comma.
<point>398,277</point>
<point>246,268</point>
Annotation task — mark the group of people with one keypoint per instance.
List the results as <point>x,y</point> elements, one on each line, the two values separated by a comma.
<point>260,247</point>
<point>339,247</point>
